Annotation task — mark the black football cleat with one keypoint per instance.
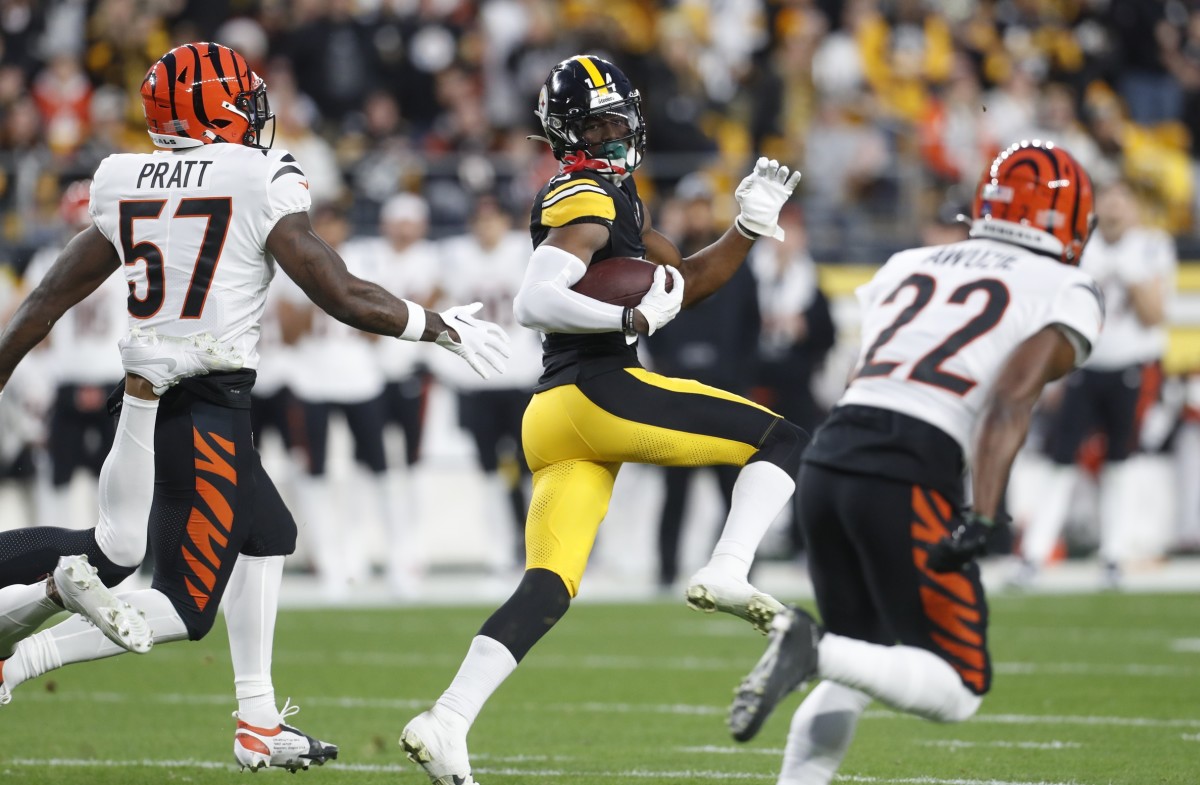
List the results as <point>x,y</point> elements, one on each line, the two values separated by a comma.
<point>789,661</point>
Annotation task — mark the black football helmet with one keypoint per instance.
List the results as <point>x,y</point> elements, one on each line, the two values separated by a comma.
<point>592,117</point>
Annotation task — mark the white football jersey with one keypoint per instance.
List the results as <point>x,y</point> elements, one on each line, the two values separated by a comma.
<point>191,226</point>
<point>83,343</point>
<point>939,323</point>
<point>471,273</point>
<point>1139,256</point>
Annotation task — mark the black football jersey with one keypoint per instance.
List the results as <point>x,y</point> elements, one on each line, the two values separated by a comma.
<point>586,197</point>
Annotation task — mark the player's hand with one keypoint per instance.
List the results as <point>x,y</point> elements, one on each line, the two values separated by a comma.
<point>965,544</point>
<point>762,195</point>
<point>658,305</point>
<point>480,343</point>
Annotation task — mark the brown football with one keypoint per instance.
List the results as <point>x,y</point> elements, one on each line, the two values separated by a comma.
<point>620,280</point>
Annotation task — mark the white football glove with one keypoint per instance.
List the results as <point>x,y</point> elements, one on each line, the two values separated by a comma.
<point>762,195</point>
<point>478,341</point>
<point>658,305</point>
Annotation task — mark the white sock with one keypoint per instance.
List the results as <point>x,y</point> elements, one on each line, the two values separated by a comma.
<point>761,491</point>
<point>127,484</point>
<point>487,664</point>
<point>1045,526</point>
<point>904,677</point>
<point>1120,520</point>
<point>821,732</point>
<point>78,640</point>
<point>250,605</point>
<point>23,608</point>
<point>328,541</point>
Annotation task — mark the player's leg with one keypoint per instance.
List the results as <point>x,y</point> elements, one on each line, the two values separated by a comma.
<point>637,416</point>
<point>1127,394</point>
<point>366,422</point>
<point>569,502</point>
<point>480,413</point>
<point>676,481</point>
<point>319,511</point>
<point>65,449</point>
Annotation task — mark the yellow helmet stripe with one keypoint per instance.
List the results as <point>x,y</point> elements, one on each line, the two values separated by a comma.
<point>594,73</point>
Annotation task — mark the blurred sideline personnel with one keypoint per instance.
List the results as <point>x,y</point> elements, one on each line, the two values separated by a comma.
<point>797,334</point>
<point>1135,268</point>
<point>350,384</point>
<point>595,407</point>
<point>954,337</point>
<point>714,343</point>
<point>196,227</point>
<point>488,264</point>
<point>84,364</point>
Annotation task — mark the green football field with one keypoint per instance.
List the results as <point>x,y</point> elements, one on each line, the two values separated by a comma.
<point>1089,690</point>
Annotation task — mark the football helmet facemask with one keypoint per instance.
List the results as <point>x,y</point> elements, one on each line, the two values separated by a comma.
<point>1036,195</point>
<point>592,117</point>
<point>201,93</point>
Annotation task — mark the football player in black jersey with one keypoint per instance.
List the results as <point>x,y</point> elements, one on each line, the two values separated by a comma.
<point>596,408</point>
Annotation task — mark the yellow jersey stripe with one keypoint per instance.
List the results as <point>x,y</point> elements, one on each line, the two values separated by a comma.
<point>585,204</point>
<point>689,386</point>
<point>570,184</point>
<point>594,72</point>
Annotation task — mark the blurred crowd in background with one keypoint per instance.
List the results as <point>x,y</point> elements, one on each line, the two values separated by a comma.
<point>411,120</point>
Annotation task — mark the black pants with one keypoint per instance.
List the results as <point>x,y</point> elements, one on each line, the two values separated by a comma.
<point>81,431</point>
<point>1098,401</point>
<point>868,538</point>
<point>365,419</point>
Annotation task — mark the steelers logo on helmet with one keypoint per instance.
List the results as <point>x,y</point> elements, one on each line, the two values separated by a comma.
<point>592,117</point>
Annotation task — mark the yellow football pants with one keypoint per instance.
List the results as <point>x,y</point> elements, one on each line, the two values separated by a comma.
<point>576,437</point>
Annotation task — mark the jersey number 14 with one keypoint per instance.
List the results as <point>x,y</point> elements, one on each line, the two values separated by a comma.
<point>216,210</point>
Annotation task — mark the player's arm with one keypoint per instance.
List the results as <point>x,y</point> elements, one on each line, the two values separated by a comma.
<point>1046,356</point>
<point>761,195</point>
<point>545,301</point>
<point>321,273</point>
<point>1149,301</point>
<point>79,270</point>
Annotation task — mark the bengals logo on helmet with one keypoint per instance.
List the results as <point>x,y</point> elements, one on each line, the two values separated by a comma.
<point>1036,195</point>
<point>201,93</point>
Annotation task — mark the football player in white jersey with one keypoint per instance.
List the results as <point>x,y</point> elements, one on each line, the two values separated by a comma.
<point>83,360</point>
<point>197,228</point>
<point>958,341</point>
<point>1135,268</point>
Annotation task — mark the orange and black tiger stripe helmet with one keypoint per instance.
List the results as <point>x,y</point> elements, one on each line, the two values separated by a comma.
<point>1036,195</point>
<point>201,93</point>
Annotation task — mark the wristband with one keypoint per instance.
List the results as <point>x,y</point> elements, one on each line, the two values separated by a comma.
<point>627,322</point>
<point>743,231</point>
<point>415,327</point>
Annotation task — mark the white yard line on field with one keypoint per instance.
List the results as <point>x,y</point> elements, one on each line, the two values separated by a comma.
<point>959,744</point>
<point>575,776</point>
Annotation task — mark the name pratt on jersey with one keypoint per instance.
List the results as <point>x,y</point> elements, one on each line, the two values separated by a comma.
<point>180,174</point>
<point>972,258</point>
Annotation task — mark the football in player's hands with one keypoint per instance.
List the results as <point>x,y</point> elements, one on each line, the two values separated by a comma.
<point>620,280</point>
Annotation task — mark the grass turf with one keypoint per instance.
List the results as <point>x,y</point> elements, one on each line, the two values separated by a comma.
<point>1089,690</point>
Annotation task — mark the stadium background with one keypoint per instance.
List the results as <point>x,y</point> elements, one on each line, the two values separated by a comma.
<point>889,107</point>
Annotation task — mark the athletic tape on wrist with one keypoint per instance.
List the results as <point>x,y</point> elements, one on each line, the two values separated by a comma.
<point>627,322</point>
<point>415,327</point>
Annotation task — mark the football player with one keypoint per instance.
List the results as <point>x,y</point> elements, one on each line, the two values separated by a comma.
<point>196,229</point>
<point>596,408</point>
<point>958,340</point>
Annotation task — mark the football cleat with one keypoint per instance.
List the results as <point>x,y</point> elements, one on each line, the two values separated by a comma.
<point>82,592</point>
<point>432,741</point>
<point>789,661</point>
<point>711,590</point>
<point>5,692</point>
<point>282,746</point>
<point>165,360</point>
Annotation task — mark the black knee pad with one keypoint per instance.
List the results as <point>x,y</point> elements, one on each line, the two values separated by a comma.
<point>783,446</point>
<point>541,599</point>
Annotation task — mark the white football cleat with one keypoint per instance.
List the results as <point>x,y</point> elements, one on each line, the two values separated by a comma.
<point>165,360</point>
<point>711,590</point>
<point>284,746</point>
<point>436,740</point>
<point>5,694</point>
<point>82,592</point>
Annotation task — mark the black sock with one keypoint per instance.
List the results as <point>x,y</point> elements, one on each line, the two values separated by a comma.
<point>539,602</point>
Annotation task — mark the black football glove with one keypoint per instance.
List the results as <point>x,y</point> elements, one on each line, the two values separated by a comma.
<point>966,543</point>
